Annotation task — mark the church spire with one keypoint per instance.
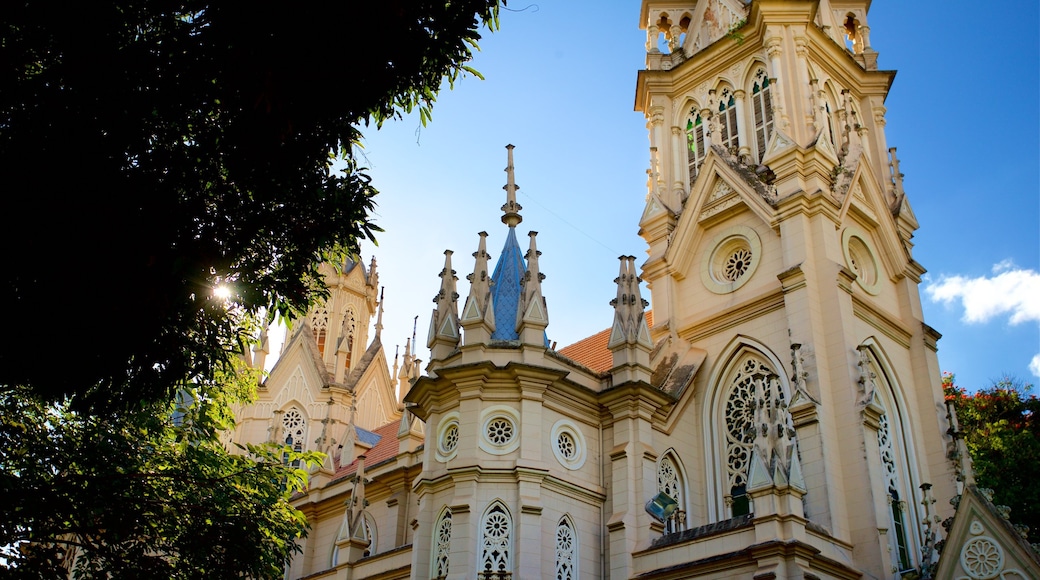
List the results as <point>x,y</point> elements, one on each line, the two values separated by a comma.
<point>478,315</point>
<point>510,268</point>
<point>444,325</point>
<point>511,210</point>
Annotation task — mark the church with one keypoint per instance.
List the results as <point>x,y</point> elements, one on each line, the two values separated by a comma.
<point>776,414</point>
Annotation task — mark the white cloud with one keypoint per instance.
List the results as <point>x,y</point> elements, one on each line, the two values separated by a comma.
<point>1034,366</point>
<point>1010,291</point>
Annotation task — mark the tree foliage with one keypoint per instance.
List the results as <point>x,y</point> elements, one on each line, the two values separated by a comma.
<point>145,493</point>
<point>1001,429</point>
<point>152,150</point>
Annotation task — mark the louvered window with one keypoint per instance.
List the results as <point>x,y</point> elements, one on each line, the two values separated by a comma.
<point>694,143</point>
<point>762,106</point>
<point>727,119</point>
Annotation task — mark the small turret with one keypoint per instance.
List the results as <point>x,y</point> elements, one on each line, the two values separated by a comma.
<point>444,325</point>
<point>531,314</point>
<point>478,315</point>
<point>629,341</point>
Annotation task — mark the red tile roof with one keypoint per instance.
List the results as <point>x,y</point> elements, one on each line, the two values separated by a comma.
<point>593,352</point>
<point>385,449</point>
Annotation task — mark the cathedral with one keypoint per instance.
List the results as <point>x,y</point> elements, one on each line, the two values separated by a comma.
<point>776,414</point>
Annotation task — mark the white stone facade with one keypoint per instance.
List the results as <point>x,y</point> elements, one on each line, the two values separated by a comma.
<point>785,404</point>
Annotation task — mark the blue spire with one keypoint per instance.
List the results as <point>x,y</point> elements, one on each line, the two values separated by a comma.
<point>505,290</point>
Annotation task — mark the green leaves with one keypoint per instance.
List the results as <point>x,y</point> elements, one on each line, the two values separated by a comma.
<point>1001,427</point>
<point>202,135</point>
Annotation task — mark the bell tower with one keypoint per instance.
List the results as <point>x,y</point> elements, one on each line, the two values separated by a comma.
<point>780,243</point>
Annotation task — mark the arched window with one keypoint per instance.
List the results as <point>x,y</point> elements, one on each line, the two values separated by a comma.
<point>320,326</point>
<point>441,545</point>
<point>751,375</point>
<point>496,535</point>
<point>670,483</point>
<point>566,550</point>
<point>895,466</point>
<point>695,146</point>
<point>294,425</point>
<point>896,503</point>
<point>727,120</point>
<point>762,109</point>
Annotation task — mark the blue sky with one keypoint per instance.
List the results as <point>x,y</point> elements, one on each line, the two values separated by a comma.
<point>560,86</point>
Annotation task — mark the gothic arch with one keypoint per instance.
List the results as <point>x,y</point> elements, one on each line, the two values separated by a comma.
<point>727,116</point>
<point>727,414</point>
<point>749,72</point>
<point>899,474</point>
<point>695,138</point>
<point>440,547</point>
<point>496,539</point>
<point>759,108</point>
<point>294,427</point>
<point>319,323</point>
<point>348,336</point>
<point>672,481</point>
<point>567,552</point>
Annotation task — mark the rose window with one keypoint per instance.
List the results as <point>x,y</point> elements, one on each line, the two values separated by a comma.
<point>451,438</point>
<point>565,443</point>
<point>982,559</point>
<point>736,265</point>
<point>500,431</point>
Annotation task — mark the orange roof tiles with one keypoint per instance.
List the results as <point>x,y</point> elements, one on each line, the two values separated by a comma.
<point>381,451</point>
<point>593,352</point>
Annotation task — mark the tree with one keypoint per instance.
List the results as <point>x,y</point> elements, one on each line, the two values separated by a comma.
<point>150,492</point>
<point>151,151</point>
<point>1001,429</point>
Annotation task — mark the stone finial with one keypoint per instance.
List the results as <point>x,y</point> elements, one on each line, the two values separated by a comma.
<point>357,501</point>
<point>404,375</point>
<point>867,378</point>
<point>373,275</point>
<point>511,210</point>
<point>260,351</point>
<point>629,341</point>
<point>444,324</point>
<point>531,314</point>
<point>630,325</point>
<point>897,182</point>
<point>379,315</point>
<point>774,429</point>
<point>478,315</point>
<point>961,459</point>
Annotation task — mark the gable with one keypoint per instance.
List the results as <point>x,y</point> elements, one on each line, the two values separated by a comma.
<point>983,544</point>
<point>865,203</point>
<point>719,192</point>
<point>374,394</point>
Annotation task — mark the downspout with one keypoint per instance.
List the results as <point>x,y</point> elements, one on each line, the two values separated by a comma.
<point>602,507</point>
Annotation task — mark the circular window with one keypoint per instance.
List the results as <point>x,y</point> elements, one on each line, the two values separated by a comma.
<point>501,431</point>
<point>448,437</point>
<point>733,258</point>
<point>568,444</point>
<point>859,257</point>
